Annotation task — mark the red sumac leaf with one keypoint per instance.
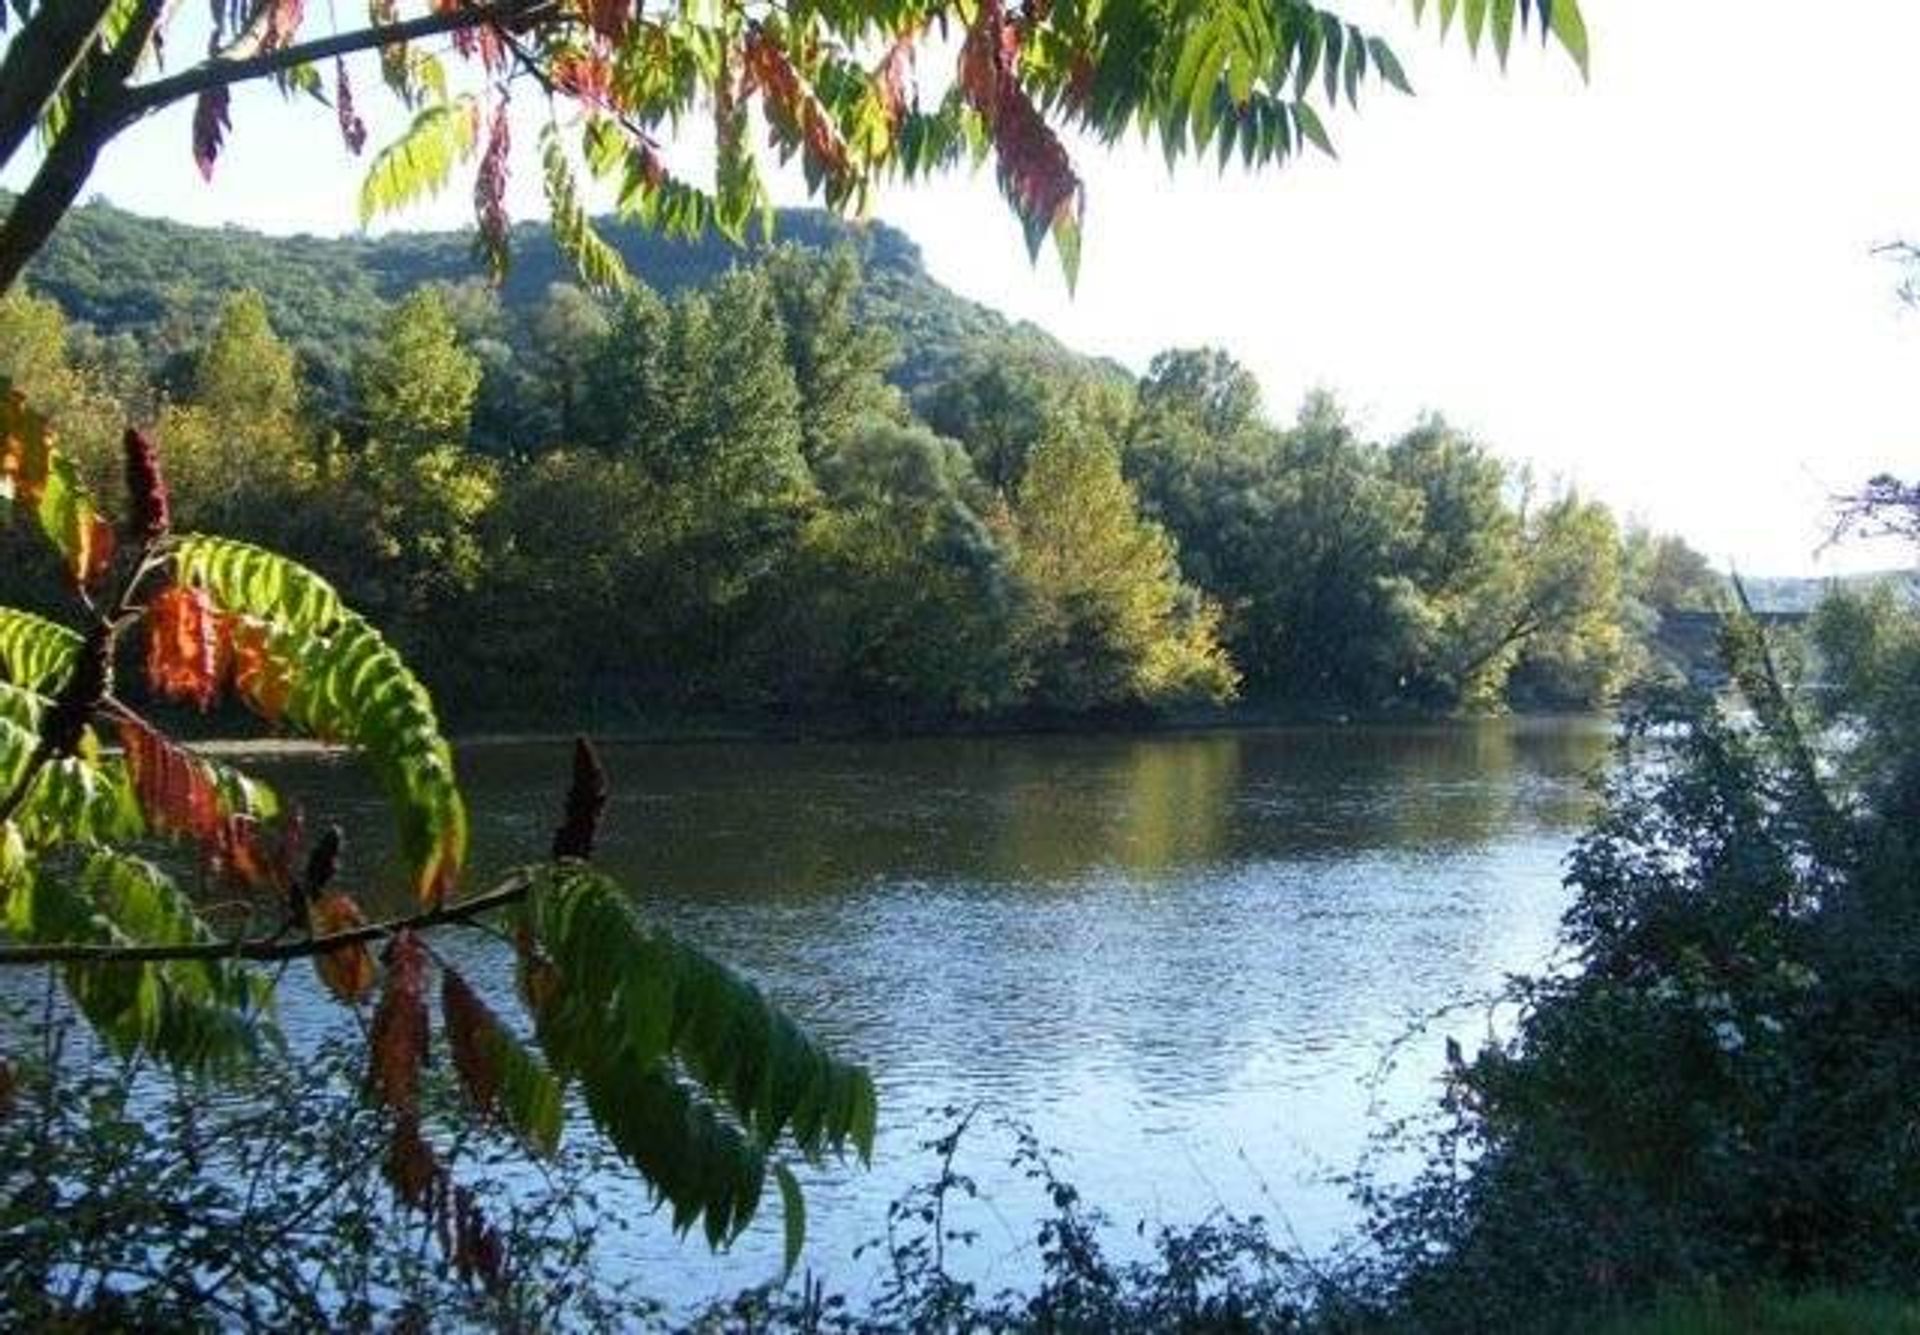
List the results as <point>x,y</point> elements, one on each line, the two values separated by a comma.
<point>481,40</point>
<point>490,193</point>
<point>95,556</point>
<point>1036,175</point>
<point>353,130</point>
<point>987,57</point>
<point>283,22</point>
<point>411,1165</point>
<point>348,971</point>
<point>794,112</point>
<point>470,1029</point>
<point>400,1026</point>
<point>890,77</point>
<point>609,18</point>
<point>586,75</point>
<point>262,679</point>
<point>180,798</point>
<point>186,645</point>
<point>210,126</point>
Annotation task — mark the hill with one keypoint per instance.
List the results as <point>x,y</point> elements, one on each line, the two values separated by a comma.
<point>161,282</point>
<point>1787,594</point>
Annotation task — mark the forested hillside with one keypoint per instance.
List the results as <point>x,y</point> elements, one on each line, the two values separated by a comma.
<point>806,480</point>
<point>163,282</point>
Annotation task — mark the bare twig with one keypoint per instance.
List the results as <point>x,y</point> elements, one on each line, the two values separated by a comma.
<point>510,891</point>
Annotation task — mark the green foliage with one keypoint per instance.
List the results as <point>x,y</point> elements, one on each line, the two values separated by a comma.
<point>420,162</point>
<point>245,373</point>
<point>127,1208</point>
<point>202,1016</point>
<point>695,1077</point>
<point>417,383</point>
<point>1105,619</point>
<point>901,599</point>
<point>1825,1313</point>
<point>837,359</point>
<point>1716,1092</point>
<point>35,654</point>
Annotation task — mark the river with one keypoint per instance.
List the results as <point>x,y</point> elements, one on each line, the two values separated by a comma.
<point>1180,958</point>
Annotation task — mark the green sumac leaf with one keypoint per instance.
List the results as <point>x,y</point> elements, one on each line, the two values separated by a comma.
<point>35,654</point>
<point>1389,66</point>
<point>1566,23</point>
<point>1504,13</point>
<point>77,799</point>
<point>793,1218</point>
<point>1312,128</point>
<point>203,1016</point>
<point>421,161</point>
<point>343,683</point>
<point>688,1068</point>
<point>598,264</point>
<point>241,577</point>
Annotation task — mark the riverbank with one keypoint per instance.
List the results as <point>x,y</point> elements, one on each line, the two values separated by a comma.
<point>493,729</point>
<point>224,735</point>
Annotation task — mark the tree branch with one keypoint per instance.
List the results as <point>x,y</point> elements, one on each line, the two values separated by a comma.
<point>93,122</point>
<point>112,105</point>
<point>42,57</point>
<point>268,949</point>
<point>220,72</point>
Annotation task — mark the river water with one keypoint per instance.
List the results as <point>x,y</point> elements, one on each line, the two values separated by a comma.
<point>1179,958</point>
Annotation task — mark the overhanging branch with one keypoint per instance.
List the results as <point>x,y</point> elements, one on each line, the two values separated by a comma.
<point>221,72</point>
<point>114,103</point>
<point>41,58</point>
<point>269,949</point>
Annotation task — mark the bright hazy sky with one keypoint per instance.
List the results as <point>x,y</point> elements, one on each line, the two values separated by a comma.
<point>1660,287</point>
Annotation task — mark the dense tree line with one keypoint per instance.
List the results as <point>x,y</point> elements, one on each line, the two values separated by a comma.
<point>716,500</point>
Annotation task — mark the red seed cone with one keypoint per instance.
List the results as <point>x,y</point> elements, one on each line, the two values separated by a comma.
<point>152,508</point>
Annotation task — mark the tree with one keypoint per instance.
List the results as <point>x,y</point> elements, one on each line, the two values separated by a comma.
<point>1666,575</point>
<point>417,384</point>
<point>1305,545</point>
<point>567,327</point>
<point>901,597</point>
<point>837,360</point>
<point>238,457</point>
<point>246,376</point>
<point>1465,561</point>
<point>1204,386</point>
<point>834,86</point>
<point>1105,620</point>
<point>1568,626</point>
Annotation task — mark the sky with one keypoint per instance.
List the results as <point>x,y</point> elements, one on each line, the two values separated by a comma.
<point>1659,287</point>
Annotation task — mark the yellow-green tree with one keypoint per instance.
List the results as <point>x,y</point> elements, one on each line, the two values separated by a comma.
<point>1106,619</point>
